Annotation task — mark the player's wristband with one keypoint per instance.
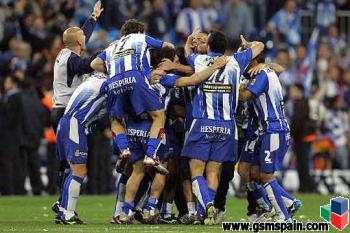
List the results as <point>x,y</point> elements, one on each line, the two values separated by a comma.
<point>121,141</point>
<point>94,16</point>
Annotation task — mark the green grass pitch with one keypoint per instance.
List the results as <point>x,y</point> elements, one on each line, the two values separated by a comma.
<point>33,214</point>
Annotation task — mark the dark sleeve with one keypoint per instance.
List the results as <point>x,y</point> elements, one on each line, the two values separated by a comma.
<point>88,28</point>
<point>77,65</point>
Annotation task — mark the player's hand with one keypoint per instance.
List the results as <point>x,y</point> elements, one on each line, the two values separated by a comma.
<point>192,36</point>
<point>156,75</point>
<point>97,9</point>
<point>256,69</point>
<point>244,42</point>
<point>166,65</point>
<point>220,62</point>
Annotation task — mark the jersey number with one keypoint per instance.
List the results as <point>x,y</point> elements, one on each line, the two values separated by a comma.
<point>267,156</point>
<point>123,41</point>
<point>218,78</point>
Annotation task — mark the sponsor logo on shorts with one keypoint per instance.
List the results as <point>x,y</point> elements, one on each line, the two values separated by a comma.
<point>215,129</point>
<point>78,153</point>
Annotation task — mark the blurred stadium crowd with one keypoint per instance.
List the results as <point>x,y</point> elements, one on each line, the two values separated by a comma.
<point>30,38</point>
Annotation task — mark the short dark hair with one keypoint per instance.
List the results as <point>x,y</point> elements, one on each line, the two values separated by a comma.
<point>217,42</point>
<point>157,55</point>
<point>132,26</point>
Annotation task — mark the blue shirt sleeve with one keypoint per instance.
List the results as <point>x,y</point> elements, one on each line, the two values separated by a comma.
<point>260,85</point>
<point>103,56</point>
<point>153,43</point>
<point>191,59</point>
<point>169,80</point>
<point>243,58</point>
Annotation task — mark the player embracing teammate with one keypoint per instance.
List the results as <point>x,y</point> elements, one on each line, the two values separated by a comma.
<point>136,96</point>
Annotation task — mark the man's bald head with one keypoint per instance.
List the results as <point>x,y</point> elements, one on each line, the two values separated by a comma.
<point>74,36</point>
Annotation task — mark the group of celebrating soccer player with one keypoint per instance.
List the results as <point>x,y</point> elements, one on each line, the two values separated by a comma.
<point>145,85</point>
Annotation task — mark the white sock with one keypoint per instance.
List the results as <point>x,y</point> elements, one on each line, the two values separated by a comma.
<point>73,193</point>
<point>191,206</point>
<point>288,202</point>
<point>120,200</point>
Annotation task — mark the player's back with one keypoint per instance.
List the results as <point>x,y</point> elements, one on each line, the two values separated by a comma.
<point>269,104</point>
<point>130,52</point>
<point>87,102</point>
<point>216,98</point>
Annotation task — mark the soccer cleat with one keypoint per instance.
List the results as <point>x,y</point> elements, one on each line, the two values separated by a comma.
<point>210,214</point>
<point>279,218</point>
<point>187,219</point>
<point>125,219</point>
<point>151,216</point>
<point>170,219</point>
<point>252,217</point>
<point>265,215</point>
<point>123,159</point>
<point>74,220</point>
<point>55,207</point>
<point>138,216</point>
<point>297,204</point>
<point>220,217</point>
<point>154,162</point>
<point>115,220</point>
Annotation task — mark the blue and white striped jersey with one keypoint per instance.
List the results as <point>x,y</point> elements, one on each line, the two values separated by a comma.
<point>217,98</point>
<point>268,101</point>
<point>130,52</point>
<point>87,103</point>
<point>166,83</point>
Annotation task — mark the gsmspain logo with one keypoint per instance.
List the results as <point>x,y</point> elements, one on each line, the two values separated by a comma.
<point>336,213</point>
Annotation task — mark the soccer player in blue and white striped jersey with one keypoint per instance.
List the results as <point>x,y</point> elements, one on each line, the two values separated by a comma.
<point>138,133</point>
<point>86,105</point>
<point>213,137</point>
<point>266,93</point>
<point>127,62</point>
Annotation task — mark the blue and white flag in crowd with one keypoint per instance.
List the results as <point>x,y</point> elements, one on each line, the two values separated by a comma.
<point>305,73</point>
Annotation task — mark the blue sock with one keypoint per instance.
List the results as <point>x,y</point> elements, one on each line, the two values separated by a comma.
<point>275,197</point>
<point>200,209</point>
<point>121,140</point>
<point>152,146</point>
<point>65,186</point>
<point>128,208</point>
<point>259,195</point>
<point>200,189</point>
<point>287,198</point>
<point>151,203</point>
<point>212,194</point>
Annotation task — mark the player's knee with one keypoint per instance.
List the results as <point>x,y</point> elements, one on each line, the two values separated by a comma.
<point>266,177</point>
<point>158,116</point>
<point>255,173</point>
<point>243,171</point>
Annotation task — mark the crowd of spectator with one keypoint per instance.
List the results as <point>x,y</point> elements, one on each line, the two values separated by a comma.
<point>30,38</point>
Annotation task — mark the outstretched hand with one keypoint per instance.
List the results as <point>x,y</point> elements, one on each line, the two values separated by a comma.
<point>244,41</point>
<point>98,9</point>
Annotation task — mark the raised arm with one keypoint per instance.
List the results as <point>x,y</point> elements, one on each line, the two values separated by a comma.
<point>189,43</point>
<point>89,24</point>
<point>256,46</point>
<point>258,68</point>
<point>197,78</point>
